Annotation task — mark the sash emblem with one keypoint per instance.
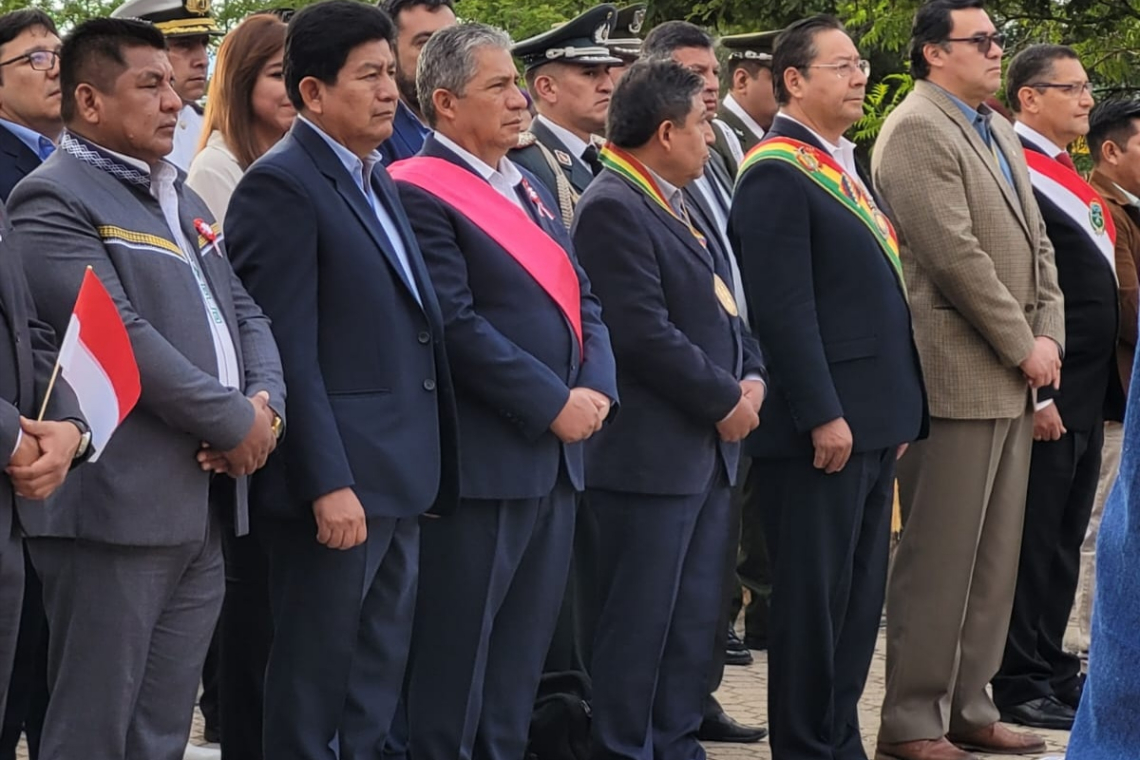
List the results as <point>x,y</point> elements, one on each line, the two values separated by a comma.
<point>1096,217</point>
<point>807,160</point>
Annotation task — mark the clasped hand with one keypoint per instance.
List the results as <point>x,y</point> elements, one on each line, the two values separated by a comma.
<point>745,416</point>
<point>43,458</point>
<point>583,415</point>
<point>250,455</point>
<point>1043,365</point>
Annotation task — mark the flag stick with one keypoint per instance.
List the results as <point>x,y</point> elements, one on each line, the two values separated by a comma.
<point>55,372</point>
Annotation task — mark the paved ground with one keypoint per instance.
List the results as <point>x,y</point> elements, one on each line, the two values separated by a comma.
<point>744,695</point>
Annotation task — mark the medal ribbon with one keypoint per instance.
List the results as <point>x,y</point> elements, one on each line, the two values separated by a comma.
<point>829,175</point>
<point>618,161</point>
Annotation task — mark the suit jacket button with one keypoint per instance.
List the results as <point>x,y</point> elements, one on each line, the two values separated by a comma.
<point>429,384</point>
<point>424,336</point>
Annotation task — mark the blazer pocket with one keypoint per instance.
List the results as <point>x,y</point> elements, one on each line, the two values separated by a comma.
<point>360,393</point>
<point>849,350</point>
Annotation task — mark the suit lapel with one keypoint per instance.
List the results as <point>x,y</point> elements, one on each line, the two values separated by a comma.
<point>386,193</point>
<point>678,228</point>
<point>576,173</point>
<point>936,96</point>
<point>24,158</point>
<point>223,299</point>
<point>332,167</point>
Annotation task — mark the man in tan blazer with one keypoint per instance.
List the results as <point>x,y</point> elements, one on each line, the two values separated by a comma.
<point>989,325</point>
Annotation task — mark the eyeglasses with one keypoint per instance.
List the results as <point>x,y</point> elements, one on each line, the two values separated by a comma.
<point>983,42</point>
<point>1072,90</point>
<point>39,60</point>
<point>847,69</point>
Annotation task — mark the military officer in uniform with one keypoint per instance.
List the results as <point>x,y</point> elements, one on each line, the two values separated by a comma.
<point>188,27</point>
<point>625,39</point>
<point>749,106</point>
<point>567,75</point>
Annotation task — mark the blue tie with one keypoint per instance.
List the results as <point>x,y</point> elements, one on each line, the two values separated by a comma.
<point>46,148</point>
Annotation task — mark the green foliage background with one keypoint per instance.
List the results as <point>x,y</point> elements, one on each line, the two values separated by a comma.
<point>1105,32</point>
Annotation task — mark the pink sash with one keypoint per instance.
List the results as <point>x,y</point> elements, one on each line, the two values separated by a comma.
<point>505,223</point>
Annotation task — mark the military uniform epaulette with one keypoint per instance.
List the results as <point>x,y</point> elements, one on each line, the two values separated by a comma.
<point>526,139</point>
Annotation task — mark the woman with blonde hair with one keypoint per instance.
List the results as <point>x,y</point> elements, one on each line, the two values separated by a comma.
<point>247,111</point>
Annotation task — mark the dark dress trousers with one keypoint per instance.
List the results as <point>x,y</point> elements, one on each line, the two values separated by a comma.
<point>833,321</point>
<point>1063,474</point>
<point>373,411</point>
<point>27,688</point>
<point>493,573</point>
<point>659,477</point>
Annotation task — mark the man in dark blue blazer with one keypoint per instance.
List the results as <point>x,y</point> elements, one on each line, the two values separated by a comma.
<point>830,310</point>
<point>534,377</point>
<point>318,235</point>
<point>1039,683</point>
<point>30,122</point>
<point>691,380</point>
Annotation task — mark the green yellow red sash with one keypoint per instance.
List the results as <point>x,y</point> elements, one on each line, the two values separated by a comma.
<point>829,175</point>
<point>617,160</point>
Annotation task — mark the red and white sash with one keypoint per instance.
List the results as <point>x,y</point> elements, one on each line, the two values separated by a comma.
<point>1076,198</point>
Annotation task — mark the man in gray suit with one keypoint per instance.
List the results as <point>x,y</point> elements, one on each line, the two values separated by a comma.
<point>130,550</point>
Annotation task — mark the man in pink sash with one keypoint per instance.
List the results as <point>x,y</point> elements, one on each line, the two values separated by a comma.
<point>1039,683</point>
<point>534,378</point>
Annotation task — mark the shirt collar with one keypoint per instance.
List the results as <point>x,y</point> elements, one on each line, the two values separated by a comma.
<point>844,148</point>
<point>1041,141</point>
<point>734,107</point>
<point>28,136</point>
<point>671,192</point>
<point>1132,199</point>
<point>350,160</point>
<point>982,113</point>
<point>507,170</point>
<point>576,145</point>
<point>120,165</point>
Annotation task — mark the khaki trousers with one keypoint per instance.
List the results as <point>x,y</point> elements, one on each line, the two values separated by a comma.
<point>1109,466</point>
<point>950,592</point>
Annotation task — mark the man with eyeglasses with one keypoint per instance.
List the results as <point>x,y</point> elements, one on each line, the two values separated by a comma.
<point>821,269</point>
<point>1039,683</point>
<point>188,27</point>
<point>990,326</point>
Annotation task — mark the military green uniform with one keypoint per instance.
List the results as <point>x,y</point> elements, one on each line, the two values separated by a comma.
<point>757,47</point>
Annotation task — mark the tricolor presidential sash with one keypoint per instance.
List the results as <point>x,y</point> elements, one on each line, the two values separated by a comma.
<point>637,174</point>
<point>505,223</point>
<point>1076,199</point>
<point>830,176</point>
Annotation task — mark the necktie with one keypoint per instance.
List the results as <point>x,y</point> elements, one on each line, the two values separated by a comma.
<point>590,157</point>
<point>1064,159</point>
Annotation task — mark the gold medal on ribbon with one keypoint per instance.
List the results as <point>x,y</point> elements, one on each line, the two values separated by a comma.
<point>724,295</point>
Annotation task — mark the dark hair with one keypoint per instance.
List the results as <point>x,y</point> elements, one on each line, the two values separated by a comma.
<point>795,49</point>
<point>932,25</point>
<point>395,7</point>
<point>1029,66</point>
<point>1113,120</point>
<point>93,54</point>
<point>650,93</point>
<point>321,37</point>
<point>15,23</point>
<point>241,57</point>
<point>665,38</point>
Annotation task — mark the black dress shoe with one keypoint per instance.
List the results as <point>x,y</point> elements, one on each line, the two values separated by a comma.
<point>1043,712</point>
<point>721,728</point>
<point>1072,695</point>
<point>735,653</point>
<point>759,643</point>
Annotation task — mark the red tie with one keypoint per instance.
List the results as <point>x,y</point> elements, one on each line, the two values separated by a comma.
<point>1064,159</point>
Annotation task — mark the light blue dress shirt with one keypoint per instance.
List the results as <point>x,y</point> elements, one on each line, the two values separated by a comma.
<point>361,173</point>
<point>981,123</point>
<point>39,144</point>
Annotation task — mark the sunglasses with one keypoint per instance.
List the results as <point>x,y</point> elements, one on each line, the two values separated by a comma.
<point>983,42</point>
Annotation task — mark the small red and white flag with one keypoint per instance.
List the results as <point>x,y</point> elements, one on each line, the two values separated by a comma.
<point>98,362</point>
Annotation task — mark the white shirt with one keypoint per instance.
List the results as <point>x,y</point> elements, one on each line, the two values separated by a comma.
<point>576,145</point>
<point>843,153</point>
<point>504,179</point>
<point>162,189</point>
<point>737,109</point>
<point>1041,141</point>
<point>213,175</point>
<point>186,136</point>
<point>1132,199</point>
<point>711,191</point>
<point>361,173</point>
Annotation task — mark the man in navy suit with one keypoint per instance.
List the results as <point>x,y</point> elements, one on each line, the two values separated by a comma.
<point>534,378</point>
<point>416,21</point>
<point>30,123</point>
<point>691,381</point>
<point>830,310</point>
<point>1039,683</point>
<point>319,237</point>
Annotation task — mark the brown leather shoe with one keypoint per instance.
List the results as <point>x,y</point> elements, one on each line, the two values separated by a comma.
<point>923,749</point>
<point>999,740</point>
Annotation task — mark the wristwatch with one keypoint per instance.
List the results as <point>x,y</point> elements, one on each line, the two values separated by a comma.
<point>278,425</point>
<point>84,439</point>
